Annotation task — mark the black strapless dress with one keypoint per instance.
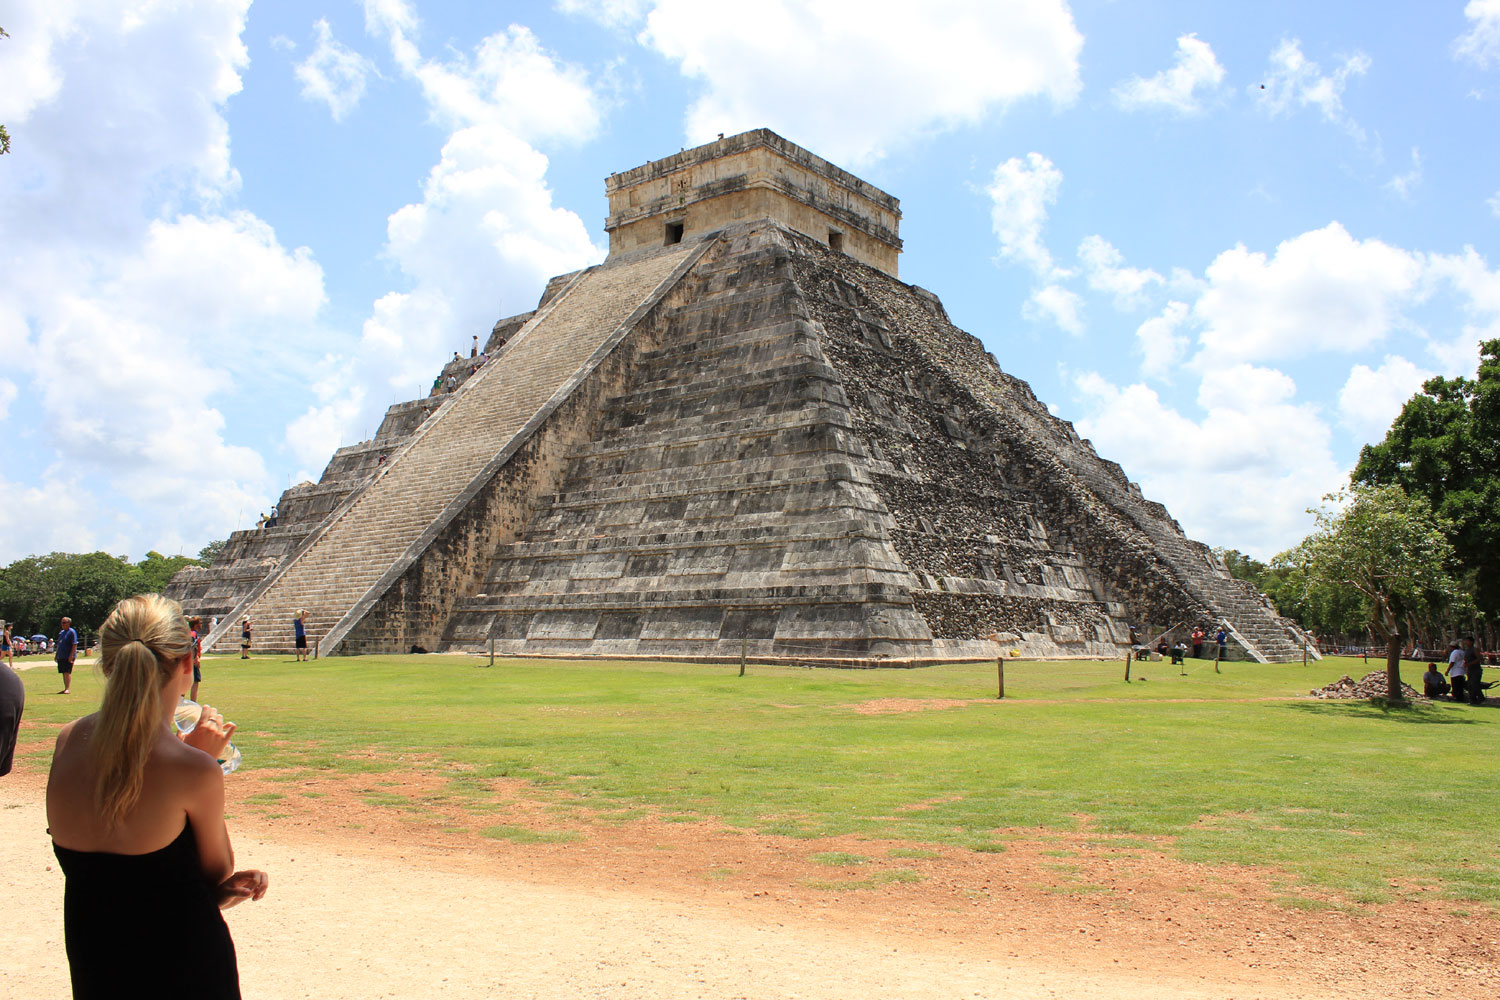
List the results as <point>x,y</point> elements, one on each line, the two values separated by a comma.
<point>145,924</point>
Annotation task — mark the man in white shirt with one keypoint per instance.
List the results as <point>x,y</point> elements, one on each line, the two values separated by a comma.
<point>1458,674</point>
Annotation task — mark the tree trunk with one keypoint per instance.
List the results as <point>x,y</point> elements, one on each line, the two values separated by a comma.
<point>1393,667</point>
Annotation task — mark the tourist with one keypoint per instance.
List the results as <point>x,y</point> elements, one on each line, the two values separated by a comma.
<point>244,638</point>
<point>12,704</point>
<point>1198,635</point>
<point>137,823</point>
<point>1179,650</point>
<point>1222,638</point>
<point>299,627</point>
<point>1458,673</point>
<point>1474,669</point>
<point>474,350</point>
<point>195,624</point>
<point>67,652</point>
<point>1433,685</point>
<point>437,385</point>
<point>5,644</point>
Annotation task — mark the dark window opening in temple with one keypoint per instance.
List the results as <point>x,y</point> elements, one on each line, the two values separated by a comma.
<point>674,233</point>
<point>836,240</point>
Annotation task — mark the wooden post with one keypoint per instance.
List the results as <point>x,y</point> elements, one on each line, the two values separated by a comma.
<point>1000,670</point>
<point>315,647</point>
<point>1304,654</point>
<point>1129,655</point>
<point>743,641</point>
<point>492,651</point>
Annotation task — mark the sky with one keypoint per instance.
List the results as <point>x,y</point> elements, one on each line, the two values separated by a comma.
<point>1226,241</point>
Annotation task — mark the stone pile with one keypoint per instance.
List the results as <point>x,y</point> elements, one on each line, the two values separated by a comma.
<point>1371,685</point>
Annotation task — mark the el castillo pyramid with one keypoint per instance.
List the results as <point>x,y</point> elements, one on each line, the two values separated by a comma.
<point>740,433</point>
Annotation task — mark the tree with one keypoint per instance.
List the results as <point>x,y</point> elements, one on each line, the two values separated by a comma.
<point>1445,446</point>
<point>1319,607</point>
<point>86,588</point>
<point>156,570</point>
<point>23,592</point>
<point>210,552</point>
<point>1390,549</point>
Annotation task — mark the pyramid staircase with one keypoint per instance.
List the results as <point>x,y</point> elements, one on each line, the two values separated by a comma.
<point>365,546</point>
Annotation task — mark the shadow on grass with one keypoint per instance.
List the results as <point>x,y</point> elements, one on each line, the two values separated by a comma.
<point>1381,708</point>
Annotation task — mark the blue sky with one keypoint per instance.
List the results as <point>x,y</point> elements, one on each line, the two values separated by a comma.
<point>1225,240</point>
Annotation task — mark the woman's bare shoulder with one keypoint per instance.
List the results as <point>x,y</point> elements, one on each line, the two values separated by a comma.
<point>75,732</point>
<point>186,763</point>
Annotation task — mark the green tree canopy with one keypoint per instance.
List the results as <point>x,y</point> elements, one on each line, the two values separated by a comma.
<point>1386,550</point>
<point>210,552</point>
<point>1445,446</point>
<point>37,591</point>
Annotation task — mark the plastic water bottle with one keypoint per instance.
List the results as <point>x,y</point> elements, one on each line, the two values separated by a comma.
<point>185,718</point>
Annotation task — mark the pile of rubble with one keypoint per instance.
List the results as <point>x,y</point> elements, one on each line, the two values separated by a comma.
<point>1371,685</point>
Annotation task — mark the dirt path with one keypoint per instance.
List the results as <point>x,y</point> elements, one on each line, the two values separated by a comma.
<point>368,900</point>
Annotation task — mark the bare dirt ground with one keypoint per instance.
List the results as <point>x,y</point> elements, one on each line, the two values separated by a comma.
<point>383,887</point>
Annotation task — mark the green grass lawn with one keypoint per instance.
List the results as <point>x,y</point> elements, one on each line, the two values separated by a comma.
<point>1344,795</point>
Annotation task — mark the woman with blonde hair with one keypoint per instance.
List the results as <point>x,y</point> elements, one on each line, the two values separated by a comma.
<point>137,822</point>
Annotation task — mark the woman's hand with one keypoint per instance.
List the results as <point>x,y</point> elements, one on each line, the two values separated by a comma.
<point>211,734</point>
<point>249,884</point>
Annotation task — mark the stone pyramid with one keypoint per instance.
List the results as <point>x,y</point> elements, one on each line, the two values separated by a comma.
<point>740,435</point>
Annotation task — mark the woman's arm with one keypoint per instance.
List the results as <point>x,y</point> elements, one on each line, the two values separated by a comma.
<point>205,811</point>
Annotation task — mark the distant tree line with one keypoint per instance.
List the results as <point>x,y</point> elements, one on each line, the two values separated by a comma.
<point>37,591</point>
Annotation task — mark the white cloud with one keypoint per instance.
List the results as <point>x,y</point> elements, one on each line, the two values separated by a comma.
<point>55,515</point>
<point>1477,289</point>
<point>1020,192</point>
<point>1402,184</point>
<point>483,239</point>
<point>333,73</point>
<point>135,301</point>
<point>509,81</point>
<point>1176,89</point>
<point>1242,475</point>
<point>1321,291</point>
<point>610,13</point>
<point>1162,344</point>
<point>1371,397</point>
<point>1494,203</point>
<point>1055,304</point>
<point>1294,81</point>
<point>1107,272</point>
<point>1481,43</point>
<point>881,73</point>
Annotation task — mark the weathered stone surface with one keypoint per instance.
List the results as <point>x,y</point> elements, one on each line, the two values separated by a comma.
<point>746,442</point>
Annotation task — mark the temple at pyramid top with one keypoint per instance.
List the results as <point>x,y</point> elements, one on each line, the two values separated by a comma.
<point>753,175</point>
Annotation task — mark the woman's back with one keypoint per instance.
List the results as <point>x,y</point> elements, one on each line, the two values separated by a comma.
<point>175,775</point>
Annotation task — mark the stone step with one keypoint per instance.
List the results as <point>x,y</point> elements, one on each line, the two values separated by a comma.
<point>354,549</point>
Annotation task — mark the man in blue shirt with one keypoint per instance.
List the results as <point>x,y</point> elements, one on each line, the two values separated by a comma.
<point>67,652</point>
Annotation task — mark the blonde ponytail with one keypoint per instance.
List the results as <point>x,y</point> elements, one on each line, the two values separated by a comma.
<point>141,643</point>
